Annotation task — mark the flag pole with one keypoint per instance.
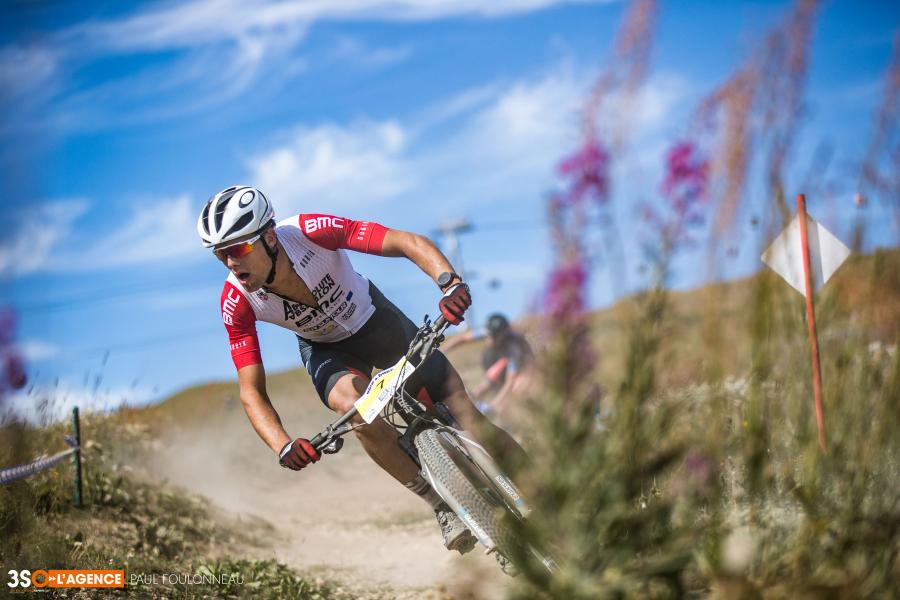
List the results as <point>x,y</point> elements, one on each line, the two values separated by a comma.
<point>811,320</point>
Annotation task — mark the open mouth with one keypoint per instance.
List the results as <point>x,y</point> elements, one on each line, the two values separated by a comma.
<point>243,277</point>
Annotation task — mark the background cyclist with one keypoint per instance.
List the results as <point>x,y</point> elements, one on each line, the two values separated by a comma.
<point>507,360</point>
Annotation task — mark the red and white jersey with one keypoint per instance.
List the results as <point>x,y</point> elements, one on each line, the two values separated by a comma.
<point>315,245</point>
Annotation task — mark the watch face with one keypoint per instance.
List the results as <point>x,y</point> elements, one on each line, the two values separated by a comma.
<point>445,278</point>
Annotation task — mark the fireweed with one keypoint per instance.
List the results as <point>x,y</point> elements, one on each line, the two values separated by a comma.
<point>684,194</point>
<point>716,487</point>
<point>11,364</point>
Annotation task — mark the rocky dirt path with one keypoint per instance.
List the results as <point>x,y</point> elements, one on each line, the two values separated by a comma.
<point>342,519</point>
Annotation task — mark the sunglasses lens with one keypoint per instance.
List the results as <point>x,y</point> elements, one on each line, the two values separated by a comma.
<point>236,251</point>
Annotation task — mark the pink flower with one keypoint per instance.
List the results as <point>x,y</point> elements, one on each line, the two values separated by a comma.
<point>698,474</point>
<point>686,179</point>
<point>15,372</point>
<point>587,171</point>
<point>684,190</point>
<point>565,295</point>
<point>10,362</point>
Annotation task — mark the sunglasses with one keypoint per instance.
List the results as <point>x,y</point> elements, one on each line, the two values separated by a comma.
<point>238,250</point>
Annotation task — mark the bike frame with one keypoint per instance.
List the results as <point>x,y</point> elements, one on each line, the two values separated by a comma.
<point>418,417</point>
<point>427,339</point>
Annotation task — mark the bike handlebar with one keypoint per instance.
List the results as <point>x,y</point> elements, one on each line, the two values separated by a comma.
<point>439,326</point>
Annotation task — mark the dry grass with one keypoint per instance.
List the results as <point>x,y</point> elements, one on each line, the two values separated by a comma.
<point>704,477</point>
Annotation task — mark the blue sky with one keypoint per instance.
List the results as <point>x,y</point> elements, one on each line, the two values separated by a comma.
<point>122,118</point>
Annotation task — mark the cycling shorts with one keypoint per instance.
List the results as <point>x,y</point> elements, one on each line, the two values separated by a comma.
<point>379,344</point>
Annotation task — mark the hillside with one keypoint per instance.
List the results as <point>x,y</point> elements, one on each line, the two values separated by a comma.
<point>195,479</point>
<point>865,292</point>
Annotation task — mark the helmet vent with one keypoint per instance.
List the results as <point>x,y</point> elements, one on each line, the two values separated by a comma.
<point>205,216</point>
<point>239,224</point>
<point>221,206</point>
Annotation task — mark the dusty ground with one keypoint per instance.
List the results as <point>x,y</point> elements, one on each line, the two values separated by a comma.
<point>342,518</point>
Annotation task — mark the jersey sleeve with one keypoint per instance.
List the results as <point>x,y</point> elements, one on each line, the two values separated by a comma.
<point>335,233</point>
<point>240,323</point>
<point>495,373</point>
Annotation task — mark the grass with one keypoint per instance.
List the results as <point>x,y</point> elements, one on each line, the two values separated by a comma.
<point>147,529</point>
<point>704,477</point>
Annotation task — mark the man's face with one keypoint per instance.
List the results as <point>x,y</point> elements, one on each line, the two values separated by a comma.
<point>252,268</point>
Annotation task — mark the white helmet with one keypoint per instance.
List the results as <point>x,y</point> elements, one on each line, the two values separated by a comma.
<point>233,213</point>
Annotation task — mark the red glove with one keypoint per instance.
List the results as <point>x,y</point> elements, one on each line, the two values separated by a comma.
<point>454,303</point>
<point>297,454</point>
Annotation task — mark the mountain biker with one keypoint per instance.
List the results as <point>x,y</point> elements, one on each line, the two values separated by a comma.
<point>296,273</point>
<point>507,360</point>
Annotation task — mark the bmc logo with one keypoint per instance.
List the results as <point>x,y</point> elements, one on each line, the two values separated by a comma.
<point>229,305</point>
<point>316,223</point>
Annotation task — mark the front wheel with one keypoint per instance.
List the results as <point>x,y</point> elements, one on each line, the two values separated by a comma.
<point>466,489</point>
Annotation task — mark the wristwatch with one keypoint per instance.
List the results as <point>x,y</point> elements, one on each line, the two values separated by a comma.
<point>445,278</point>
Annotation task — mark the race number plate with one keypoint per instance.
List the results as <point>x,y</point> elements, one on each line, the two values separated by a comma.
<point>382,387</point>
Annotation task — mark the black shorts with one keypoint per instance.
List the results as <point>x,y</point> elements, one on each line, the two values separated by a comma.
<point>380,343</point>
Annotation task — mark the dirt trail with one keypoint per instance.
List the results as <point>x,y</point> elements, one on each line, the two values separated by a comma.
<point>342,518</point>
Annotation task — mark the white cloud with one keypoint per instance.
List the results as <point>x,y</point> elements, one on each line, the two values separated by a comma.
<point>656,100</point>
<point>36,350</point>
<point>25,68</point>
<point>506,148</point>
<point>530,119</point>
<point>207,52</point>
<point>329,166</point>
<point>514,145</point>
<point>45,241</point>
<point>202,22</point>
<point>43,405</point>
<point>494,143</point>
<point>35,236</point>
<point>356,52</point>
<point>504,141</point>
<point>491,143</point>
<point>460,105</point>
<point>186,83</point>
<point>183,25</point>
<point>156,230</point>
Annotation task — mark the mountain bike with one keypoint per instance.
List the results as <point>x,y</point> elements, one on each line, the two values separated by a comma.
<point>459,469</point>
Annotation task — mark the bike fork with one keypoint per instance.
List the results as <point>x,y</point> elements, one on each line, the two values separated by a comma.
<point>460,510</point>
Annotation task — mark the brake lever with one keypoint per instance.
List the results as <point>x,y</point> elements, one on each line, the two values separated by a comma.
<point>436,331</point>
<point>331,440</point>
<point>334,446</point>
